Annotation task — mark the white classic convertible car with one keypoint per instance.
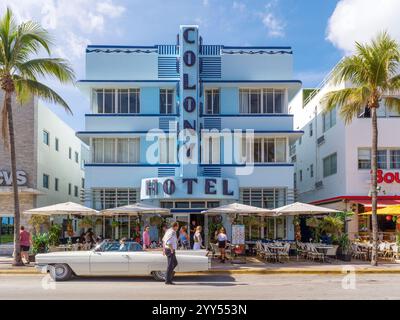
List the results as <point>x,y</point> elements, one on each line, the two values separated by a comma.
<point>113,259</point>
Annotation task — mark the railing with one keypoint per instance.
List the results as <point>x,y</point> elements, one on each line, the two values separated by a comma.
<point>321,85</point>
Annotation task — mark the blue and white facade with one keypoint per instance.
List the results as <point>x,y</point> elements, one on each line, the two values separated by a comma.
<point>191,126</point>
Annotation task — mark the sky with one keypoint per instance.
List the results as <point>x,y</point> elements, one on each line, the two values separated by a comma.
<point>319,31</point>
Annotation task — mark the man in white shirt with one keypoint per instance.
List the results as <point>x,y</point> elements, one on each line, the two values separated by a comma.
<point>170,244</point>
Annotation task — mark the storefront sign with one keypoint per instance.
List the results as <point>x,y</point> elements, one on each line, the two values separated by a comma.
<point>189,188</point>
<point>388,177</point>
<point>238,234</point>
<point>6,178</point>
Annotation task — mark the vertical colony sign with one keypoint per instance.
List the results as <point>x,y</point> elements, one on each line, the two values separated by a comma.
<point>188,156</point>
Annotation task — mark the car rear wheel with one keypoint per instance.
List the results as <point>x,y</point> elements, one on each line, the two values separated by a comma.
<point>60,272</point>
<point>160,275</point>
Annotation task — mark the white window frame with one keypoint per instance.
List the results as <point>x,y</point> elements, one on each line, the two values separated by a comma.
<point>171,149</point>
<point>263,91</point>
<point>213,91</point>
<point>211,149</point>
<point>115,156</point>
<point>249,144</point>
<point>165,107</point>
<point>116,93</point>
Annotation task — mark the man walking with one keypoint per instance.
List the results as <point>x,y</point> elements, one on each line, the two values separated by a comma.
<point>170,244</point>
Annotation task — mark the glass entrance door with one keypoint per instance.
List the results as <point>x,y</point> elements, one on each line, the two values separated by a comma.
<point>183,220</point>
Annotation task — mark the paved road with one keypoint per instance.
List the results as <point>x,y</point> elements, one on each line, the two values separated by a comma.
<point>204,287</point>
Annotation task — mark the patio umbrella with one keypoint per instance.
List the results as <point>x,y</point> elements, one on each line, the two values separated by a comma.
<point>238,208</point>
<point>67,208</point>
<point>299,208</point>
<point>134,210</point>
<point>389,210</point>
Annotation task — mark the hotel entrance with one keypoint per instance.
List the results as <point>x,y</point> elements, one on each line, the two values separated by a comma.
<point>188,213</point>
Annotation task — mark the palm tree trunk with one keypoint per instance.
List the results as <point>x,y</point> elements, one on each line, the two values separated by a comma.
<point>374,186</point>
<point>17,249</point>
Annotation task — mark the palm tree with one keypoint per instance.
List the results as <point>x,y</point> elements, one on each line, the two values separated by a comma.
<point>373,75</point>
<point>19,79</point>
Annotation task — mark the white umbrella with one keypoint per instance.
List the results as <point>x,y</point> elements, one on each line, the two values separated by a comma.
<point>134,210</point>
<point>67,208</point>
<point>299,208</point>
<point>239,208</point>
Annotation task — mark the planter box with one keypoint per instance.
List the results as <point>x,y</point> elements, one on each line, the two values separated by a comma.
<point>344,257</point>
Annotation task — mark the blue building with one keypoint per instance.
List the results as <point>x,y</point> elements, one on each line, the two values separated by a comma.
<point>190,126</point>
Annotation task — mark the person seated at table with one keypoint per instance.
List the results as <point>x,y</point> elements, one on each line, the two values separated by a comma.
<point>123,245</point>
<point>90,237</point>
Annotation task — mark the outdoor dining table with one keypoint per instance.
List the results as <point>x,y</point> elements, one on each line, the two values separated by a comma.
<point>323,248</point>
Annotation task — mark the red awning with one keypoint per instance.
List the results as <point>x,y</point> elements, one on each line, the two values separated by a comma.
<point>381,203</point>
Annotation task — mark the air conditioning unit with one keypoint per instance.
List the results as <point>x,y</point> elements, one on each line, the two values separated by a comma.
<point>319,185</point>
<point>320,140</point>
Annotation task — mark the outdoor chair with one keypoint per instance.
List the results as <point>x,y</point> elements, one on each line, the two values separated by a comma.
<point>388,251</point>
<point>268,254</point>
<point>259,249</point>
<point>301,250</point>
<point>396,253</point>
<point>284,254</point>
<point>381,250</point>
<point>315,254</point>
<point>358,253</point>
<point>215,252</point>
<point>332,252</point>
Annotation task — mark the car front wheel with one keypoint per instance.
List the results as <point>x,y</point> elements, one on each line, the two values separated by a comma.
<point>60,272</point>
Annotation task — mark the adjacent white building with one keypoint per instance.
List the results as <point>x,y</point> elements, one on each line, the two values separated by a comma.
<point>50,164</point>
<point>333,160</point>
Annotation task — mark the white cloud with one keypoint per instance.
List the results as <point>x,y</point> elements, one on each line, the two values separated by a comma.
<point>361,20</point>
<point>71,22</point>
<point>270,19</point>
<point>239,6</point>
<point>110,9</point>
<point>275,26</point>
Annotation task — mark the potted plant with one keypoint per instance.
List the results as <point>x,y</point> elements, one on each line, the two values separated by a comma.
<point>55,235</point>
<point>40,244</point>
<point>344,251</point>
<point>86,223</point>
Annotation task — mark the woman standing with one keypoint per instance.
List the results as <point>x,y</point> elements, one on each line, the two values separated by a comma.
<point>197,239</point>
<point>222,239</point>
<point>184,238</point>
<point>146,238</point>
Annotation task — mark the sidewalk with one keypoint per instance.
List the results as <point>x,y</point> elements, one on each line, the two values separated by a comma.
<point>254,266</point>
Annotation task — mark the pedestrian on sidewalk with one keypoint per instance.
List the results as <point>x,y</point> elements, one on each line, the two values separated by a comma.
<point>170,244</point>
<point>222,239</point>
<point>146,238</point>
<point>25,243</point>
<point>198,239</point>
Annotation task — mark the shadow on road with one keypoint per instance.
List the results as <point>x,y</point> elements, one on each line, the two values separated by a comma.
<point>206,280</point>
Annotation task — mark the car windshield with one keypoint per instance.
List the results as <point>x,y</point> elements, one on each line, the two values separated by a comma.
<point>115,246</point>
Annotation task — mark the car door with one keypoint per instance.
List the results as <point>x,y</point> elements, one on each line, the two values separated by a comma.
<point>139,260</point>
<point>109,263</point>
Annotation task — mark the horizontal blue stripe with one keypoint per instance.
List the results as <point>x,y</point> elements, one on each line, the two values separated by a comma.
<point>256,47</point>
<point>126,81</point>
<point>247,115</point>
<point>189,210</point>
<point>120,132</point>
<point>130,165</point>
<point>244,165</point>
<point>121,46</point>
<point>253,81</point>
<point>158,115</point>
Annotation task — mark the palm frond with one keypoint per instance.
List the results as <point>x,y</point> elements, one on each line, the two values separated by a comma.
<point>350,101</point>
<point>26,87</point>
<point>392,103</point>
<point>57,68</point>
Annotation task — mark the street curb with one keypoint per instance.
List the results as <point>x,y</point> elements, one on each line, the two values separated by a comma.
<point>244,272</point>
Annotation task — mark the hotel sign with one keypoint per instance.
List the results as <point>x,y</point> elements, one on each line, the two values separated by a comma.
<point>6,178</point>
<point>189,188</point>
